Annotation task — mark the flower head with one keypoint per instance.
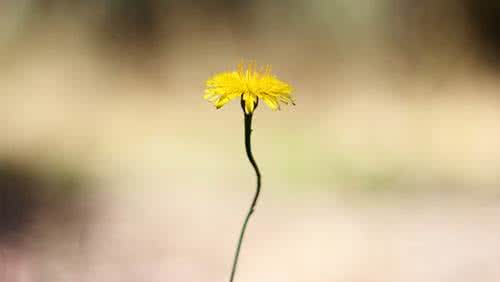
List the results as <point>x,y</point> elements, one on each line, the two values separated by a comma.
<point>249,84</point>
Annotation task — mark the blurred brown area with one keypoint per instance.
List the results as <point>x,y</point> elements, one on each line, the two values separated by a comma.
<point>113,168</point>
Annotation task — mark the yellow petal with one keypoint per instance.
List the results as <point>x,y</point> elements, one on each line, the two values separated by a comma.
<point>249,102</point>
<point>209,96</point>
<point>221,102</point>
<point>271,102</point>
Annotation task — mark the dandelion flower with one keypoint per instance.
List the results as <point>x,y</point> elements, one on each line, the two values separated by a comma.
<point>249,84</point>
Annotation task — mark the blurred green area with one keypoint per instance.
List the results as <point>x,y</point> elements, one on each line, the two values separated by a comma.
<point>73,69</point>
<point>40,198</point>
<point>395,98</point>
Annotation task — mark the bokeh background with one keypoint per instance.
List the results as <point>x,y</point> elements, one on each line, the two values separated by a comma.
<point>113,168</point>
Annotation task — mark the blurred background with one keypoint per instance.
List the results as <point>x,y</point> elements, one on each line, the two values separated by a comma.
<point>113,168</point>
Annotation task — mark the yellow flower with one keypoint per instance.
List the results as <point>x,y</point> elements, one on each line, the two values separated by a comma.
<point>249,84</point>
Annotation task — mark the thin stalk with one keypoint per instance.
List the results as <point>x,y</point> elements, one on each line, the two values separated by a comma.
<point>248,149</point>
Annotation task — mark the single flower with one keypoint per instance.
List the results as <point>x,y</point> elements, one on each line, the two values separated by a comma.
<point>249,84</point>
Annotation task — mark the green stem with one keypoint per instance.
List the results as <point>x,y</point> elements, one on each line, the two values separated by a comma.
<point>248,148</point>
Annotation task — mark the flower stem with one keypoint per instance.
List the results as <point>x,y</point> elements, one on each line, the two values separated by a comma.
<point>248,149</point>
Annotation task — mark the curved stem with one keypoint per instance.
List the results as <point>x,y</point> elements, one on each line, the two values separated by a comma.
<point>248,149</point>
